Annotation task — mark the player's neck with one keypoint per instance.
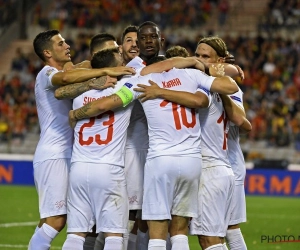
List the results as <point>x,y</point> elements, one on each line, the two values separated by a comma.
<point>55,64</point>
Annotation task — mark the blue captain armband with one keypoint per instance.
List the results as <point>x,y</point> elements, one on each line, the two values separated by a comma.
<point>126,95</point>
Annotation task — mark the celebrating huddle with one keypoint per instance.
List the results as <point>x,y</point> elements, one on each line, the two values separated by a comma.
<point>152,152</point>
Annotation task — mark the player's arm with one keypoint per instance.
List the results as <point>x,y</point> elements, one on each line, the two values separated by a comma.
<point>62,78</point>
<point>212,69</point>
<point>231,60</point>
<point>190,100</point>
<point>84,64</point>
<point>224,85</point>
<point>73,90</point>
<point>236,114</point>
<point>221,69</point>
<point>120,99</point>
<point>175,62</point>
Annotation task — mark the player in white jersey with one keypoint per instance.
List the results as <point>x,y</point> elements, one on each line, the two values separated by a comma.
<point>234,236</point>
<point>56,138</point>
<point>217,179</point>
<point>97,190</point>
<point>137,135</point>
<point>135,140</point>
<point>163,145</point>
<point>215,51</point>
<point>150,43</point>
<point>217,182</point>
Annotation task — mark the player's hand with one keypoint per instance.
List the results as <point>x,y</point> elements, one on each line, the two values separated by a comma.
<point>200,65</point>
<point>102,82</point>
<point>118,71</point>
<point>241,72</point>
<point>148,92</point>
<point>72,119</point>
<point>217,69</point>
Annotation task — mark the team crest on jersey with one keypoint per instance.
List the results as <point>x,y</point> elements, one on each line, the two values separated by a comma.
<point>128,85</point>
<point>49,71</point>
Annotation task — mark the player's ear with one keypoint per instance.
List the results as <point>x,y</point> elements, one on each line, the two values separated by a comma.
<point>121,49</point>
<point>162,42</point>
<point>47,53</point>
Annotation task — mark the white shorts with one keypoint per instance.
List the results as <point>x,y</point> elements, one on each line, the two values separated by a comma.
<point>97,195</point>
<point>215,196</point>
<point>171,186</point>
<point>134,171</point>
<point>238,204</point>
<point>51,182</point>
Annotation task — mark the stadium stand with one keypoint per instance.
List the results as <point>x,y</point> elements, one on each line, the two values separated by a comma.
<point>253,30</point>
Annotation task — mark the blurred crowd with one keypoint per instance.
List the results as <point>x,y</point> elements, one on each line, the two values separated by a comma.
<point>10,11</point>
<point>94,14</point>
<point>18,113</point>
<point>281,14</point>
<point>271,64</point>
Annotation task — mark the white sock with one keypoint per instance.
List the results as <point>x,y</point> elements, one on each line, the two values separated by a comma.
<point>180,242</point>
<point>142,240</point>
<point>89,243</point>
<point>99,243</point>
<point>50,231</point>
<point>225,246</point>
<point>169,245</point>
<point>42,238</point>
<point>215,247</point>
<point>113,243</point>
<point>73,242</point>
<point>156,244</point>
<point>132,242</point>
<point>235,239</point>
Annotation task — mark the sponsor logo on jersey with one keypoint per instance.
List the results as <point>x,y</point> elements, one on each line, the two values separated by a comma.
<point>128,85</point>
<point>171,83</point>
<point>49,71</point>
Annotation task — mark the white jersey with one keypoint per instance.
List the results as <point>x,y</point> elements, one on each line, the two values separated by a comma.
<point>236,156</point>
<point>101,139</point>
<point>137,133</point>
<point>214,130</point>
<point>137,64</point>
<point>56,137</point>
<point>173,129</point>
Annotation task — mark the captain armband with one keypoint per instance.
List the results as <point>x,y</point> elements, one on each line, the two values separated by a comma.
<point>126,95</point>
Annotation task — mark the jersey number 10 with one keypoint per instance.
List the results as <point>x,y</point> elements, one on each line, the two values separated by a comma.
<point>176,115</point>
